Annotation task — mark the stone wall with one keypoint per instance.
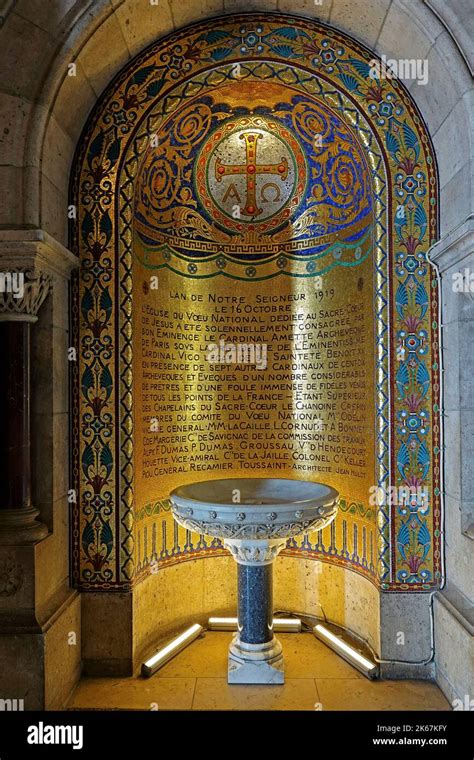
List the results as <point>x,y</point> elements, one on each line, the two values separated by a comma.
<point>453,607</point>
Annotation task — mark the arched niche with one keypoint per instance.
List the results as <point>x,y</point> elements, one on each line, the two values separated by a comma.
<point>361,217</point>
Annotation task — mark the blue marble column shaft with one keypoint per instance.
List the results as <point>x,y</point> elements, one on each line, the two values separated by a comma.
<point>255,603</point>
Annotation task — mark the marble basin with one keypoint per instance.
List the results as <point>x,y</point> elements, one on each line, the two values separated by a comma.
<point>254,517</point>
<point>254,508</point>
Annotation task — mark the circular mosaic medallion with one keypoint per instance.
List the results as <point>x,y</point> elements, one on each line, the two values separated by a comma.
<point>251,172</point>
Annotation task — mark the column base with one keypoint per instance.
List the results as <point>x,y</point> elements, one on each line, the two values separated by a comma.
<point>255,663</point>
<point>19,526</point>
<point>41,663</point>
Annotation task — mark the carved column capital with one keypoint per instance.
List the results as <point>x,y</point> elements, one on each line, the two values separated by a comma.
<point>22,292</point>
<point>254,552</point>
<point>455,249</point>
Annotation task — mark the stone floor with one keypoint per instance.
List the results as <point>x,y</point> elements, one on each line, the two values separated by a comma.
<point>316,678</point>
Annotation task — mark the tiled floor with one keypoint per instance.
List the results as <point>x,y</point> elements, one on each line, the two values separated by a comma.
<point>316,678</point>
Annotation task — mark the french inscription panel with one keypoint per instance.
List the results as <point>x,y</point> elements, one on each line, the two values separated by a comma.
<point>254,379</point>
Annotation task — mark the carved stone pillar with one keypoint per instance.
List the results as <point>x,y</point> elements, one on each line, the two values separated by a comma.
<point>21,296</point>
<point>38,609</point>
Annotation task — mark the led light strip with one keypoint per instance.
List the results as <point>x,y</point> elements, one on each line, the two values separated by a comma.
<point>167,652</point>
<point>280,625</point>
<point>351,655</point>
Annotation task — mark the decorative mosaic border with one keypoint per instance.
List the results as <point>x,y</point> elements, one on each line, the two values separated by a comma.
<point>103,528</point>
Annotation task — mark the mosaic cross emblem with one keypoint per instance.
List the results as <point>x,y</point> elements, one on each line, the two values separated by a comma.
<point>250,172</point>
<point>251,169</point>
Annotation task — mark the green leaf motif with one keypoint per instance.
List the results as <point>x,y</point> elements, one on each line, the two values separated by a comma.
<point>393,145</point>
<point>106,226</point>
<point>154,88</point>
<point>87,227</point>
<point>87,381</point>
<point>290,33</point>
<point>106,537</point>
<point>87,303</point>
<point>361,67</point>
<point>420,217</point>
<point>411,140</point>
<point>106,380</point>
<point>87,459</point>
<point>349,81</point>
<point>106,302</point>
<point>286,51</point>
<point>113,151</point>
<point>88,536</point>
<point>106,459</point>
<point>219,53</point>
<point>140,76</point>
<point>216,35</point>
<point>96,147</point>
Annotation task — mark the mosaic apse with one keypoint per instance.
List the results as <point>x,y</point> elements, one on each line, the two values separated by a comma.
<point>332,176</point>
<point>277,195</point>
<point>230,186</point>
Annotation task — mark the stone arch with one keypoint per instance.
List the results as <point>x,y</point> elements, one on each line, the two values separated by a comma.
<point>411,183</point>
